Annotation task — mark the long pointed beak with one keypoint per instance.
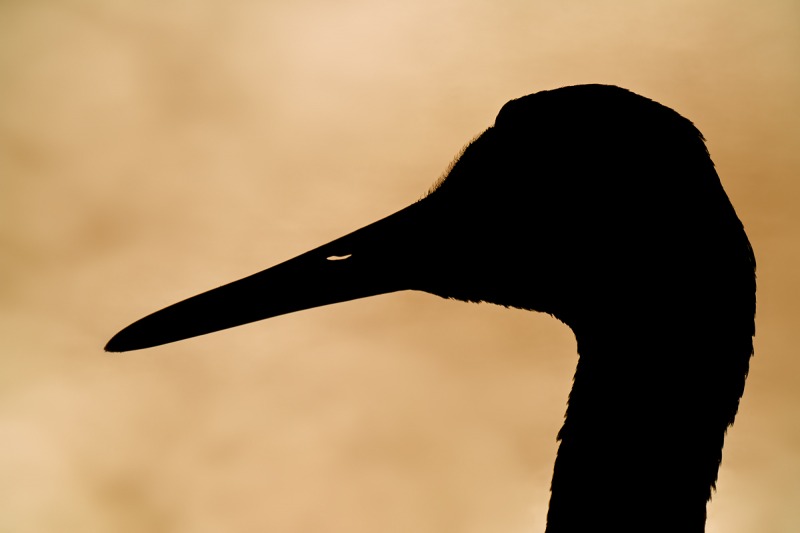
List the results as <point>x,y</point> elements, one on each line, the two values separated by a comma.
<point>360,264</point>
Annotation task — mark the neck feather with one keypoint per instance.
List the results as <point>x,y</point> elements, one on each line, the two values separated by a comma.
<point>642,440</point>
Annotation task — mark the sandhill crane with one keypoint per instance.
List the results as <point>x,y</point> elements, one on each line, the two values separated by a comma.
<point>603,209</point>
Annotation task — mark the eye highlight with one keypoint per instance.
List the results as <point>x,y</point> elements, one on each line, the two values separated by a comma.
<point>338,257</point>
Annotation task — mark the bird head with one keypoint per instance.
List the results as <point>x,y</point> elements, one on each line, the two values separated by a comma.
<point>570,195</point>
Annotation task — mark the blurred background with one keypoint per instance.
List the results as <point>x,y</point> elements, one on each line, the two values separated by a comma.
<point>152,150</point>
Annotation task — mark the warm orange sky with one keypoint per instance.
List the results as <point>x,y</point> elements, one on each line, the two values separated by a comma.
<point>149,151</point>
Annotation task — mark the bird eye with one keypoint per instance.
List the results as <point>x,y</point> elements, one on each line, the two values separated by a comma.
<point>338,257</point>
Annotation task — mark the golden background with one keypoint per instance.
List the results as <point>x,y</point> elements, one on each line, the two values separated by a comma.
<point>151,150</point>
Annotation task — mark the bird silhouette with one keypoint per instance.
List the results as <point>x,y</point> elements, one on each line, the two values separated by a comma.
<point>603,209</point>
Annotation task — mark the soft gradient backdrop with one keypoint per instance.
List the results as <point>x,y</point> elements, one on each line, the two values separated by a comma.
<point>151,150</point>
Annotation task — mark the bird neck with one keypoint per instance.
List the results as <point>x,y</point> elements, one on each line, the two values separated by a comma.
<point>642,439</point>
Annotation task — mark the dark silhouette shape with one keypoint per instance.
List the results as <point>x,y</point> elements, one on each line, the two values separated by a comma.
<point>597,206</point>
